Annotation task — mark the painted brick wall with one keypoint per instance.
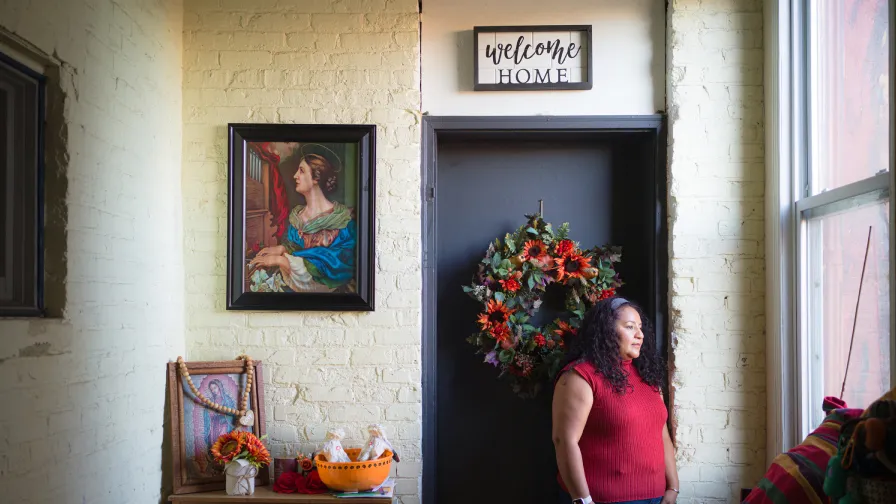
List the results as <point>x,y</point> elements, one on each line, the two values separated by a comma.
<point>84,394</point>
<point>311,61</point>
<point>716,167</point>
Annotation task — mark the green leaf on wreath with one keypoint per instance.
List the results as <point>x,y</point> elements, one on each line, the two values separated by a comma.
<point>499,297</point>
<point>511,243</point>
<point>530,345</point>
<point>563,232</point>
<point>505,356</point>
<point>531,281</point>
<point>532,231</point>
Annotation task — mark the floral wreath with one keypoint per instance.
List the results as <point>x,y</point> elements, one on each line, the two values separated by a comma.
<point>511,282</point>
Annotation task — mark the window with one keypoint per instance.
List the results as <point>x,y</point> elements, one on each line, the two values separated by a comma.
<point>21,188</point>
<point>842,191</point>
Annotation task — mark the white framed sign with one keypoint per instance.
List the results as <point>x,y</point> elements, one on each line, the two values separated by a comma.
<point>526,58</point>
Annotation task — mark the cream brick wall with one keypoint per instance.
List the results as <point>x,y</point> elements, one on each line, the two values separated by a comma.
<point>716,180</point>
<point>83,396</point>
<point>311,61</point>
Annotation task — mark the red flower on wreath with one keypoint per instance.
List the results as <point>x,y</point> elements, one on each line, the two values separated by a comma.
<point>496,314</point>
<point>572,266</point>
<point>607,294</point>
<point>536,250</point>
<point>539,340</point>
<point>564,247</point>
<point>510,285</point>
<point>500,332</point>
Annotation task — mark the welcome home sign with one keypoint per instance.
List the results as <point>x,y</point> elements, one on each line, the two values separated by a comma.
<point>526,58</point>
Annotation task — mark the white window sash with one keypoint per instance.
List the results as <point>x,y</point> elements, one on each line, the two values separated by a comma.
<point>787,148</point>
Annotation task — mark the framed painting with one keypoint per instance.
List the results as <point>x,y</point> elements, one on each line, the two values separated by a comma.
<point>301,217</point>
<point>195,427</point>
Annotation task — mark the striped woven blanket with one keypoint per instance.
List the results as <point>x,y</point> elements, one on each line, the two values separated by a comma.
<point>797,476</point>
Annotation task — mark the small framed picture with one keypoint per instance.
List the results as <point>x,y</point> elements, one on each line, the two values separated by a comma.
<point>301,217</point>
<point>195,427</point>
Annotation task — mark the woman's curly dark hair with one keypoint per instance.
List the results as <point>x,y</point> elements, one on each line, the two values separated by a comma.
<point>598,343</point>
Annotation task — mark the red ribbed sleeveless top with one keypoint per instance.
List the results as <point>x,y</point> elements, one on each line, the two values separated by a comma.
<point>622,443</point>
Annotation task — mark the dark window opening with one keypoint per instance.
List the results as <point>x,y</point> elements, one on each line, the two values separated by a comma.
<point>22,93</point>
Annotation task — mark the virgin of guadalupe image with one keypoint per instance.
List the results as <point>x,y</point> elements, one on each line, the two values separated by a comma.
<point>317,237</point>
<point>208,424</point>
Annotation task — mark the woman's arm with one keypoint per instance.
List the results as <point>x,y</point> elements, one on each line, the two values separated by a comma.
<point>573,398</point>
<point>671,471</point>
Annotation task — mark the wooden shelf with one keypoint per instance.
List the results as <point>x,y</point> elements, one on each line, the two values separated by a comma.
<point>264,495</point>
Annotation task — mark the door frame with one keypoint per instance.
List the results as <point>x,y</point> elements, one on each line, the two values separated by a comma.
<point>657,307</point>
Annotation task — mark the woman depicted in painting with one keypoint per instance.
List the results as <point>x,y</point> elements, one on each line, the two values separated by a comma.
<point>317,252</point>
<point>210,427</point>
<point>217,423</point>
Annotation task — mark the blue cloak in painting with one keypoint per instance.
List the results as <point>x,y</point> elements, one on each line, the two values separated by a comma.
<point>326,243</point>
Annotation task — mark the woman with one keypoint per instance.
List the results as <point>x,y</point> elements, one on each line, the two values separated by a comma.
<point>215,423</point>
<point>318,249</point>
<point>609,419</point>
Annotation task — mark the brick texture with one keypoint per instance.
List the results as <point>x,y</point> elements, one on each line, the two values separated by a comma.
<point>84,394</point>
<point>716,174</point>
<point>311,61</point>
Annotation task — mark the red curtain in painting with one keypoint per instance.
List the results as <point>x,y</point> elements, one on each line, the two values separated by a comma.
<point>279,199</point>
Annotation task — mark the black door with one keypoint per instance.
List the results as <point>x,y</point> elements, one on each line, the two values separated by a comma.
<point>490,445</point>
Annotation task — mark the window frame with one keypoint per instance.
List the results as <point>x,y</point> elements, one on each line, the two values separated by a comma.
<point>789,153</point>
<point>37,308</point>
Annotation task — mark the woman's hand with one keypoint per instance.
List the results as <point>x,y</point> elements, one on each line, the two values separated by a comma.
<point>669,497</point>
<point>278,250</point>
<point>267,261</point>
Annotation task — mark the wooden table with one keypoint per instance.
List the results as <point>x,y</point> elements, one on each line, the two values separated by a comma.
<point>264,495</point>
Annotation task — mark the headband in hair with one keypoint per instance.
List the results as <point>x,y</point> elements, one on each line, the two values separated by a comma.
<point>617,302</point>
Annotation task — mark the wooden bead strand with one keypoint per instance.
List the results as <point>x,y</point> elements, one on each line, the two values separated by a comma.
<point>246,417</point>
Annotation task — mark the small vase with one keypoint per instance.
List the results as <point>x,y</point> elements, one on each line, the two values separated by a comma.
<point>240,477</point>
<point>285,465</point>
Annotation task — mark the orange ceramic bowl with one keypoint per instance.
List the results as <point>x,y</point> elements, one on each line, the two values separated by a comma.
<point>354,476</point>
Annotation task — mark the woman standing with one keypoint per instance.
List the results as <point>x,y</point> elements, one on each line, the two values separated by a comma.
<point>609,418</point>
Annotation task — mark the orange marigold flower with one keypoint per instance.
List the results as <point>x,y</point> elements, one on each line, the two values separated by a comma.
<point>510,285</point>
<point>564,247</point>
<point>571,266</point>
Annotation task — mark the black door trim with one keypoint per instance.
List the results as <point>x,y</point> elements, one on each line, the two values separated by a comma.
<point>484,126</point>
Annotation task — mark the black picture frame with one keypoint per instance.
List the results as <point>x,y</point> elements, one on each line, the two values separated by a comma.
<point>586,84</point>
<point>361,188</point>
<point>22,279</point>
